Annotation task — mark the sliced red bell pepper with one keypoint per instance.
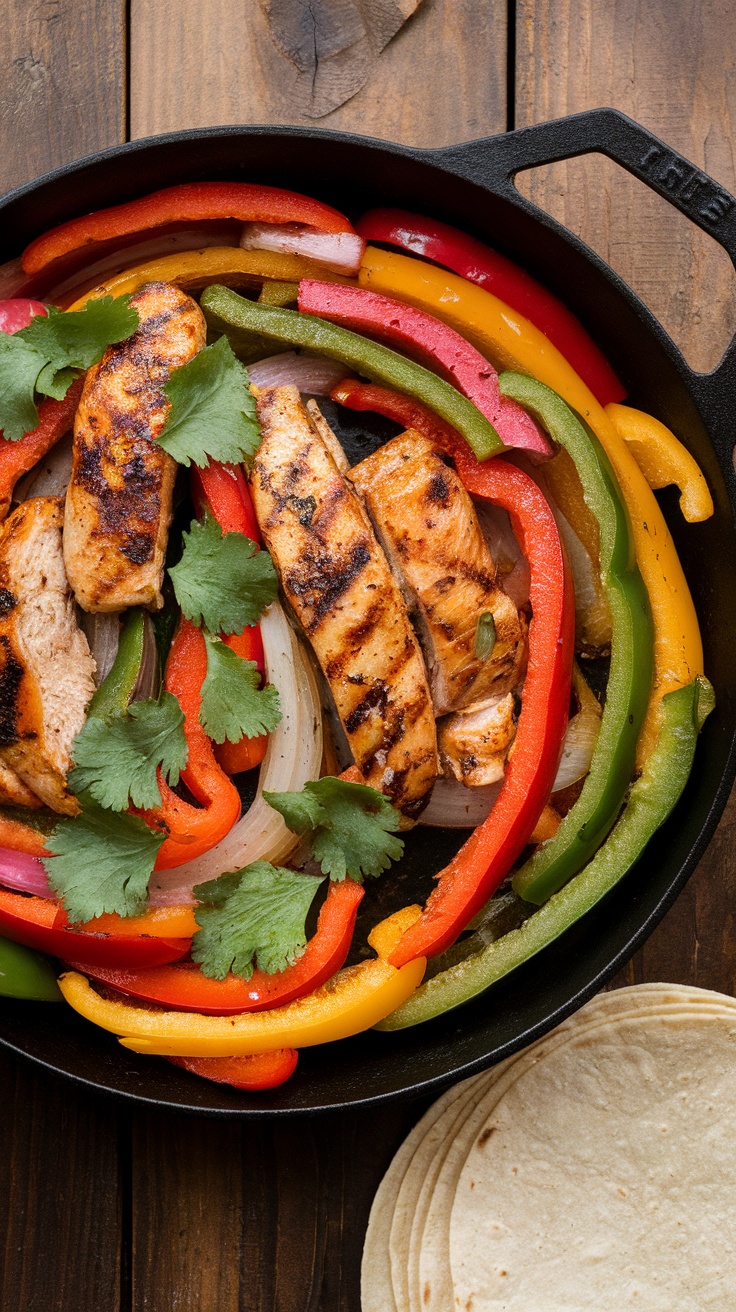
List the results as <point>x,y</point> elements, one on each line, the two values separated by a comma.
<point>264,1070</point>
<point>191,202</point>
<point>402,409</point>
<point>480,264</point>
<point>434,345</point>
<point>55,418</point>
<point>41,924</point>
<point>223,490</point>
<point>184,987</point>
<point>192,830</point>
<point>465,885</point>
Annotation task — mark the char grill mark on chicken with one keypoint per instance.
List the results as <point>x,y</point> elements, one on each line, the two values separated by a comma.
<point>340,587</point>
<point>46,668</point>
<point>429,528</point>
<point>119,502</point>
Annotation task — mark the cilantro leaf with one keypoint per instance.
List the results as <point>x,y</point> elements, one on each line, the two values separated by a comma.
<point>256,915</point>
<point>45,356</point>
<point>116,759</point>
<point>222,580</point>
<point>233,706</point>
<point>102,862</point>
<point>79,338</point>
<point>212,415</point>
<point>350,826</point>
<point>20,366</point>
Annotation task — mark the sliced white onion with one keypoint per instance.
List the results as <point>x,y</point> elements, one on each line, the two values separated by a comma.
<point>505,551</point>
<point>581,737</point>
<point>50,477</point>
<point>293,757</point>
<point>340,251</point>
<point>581,566</point>
<point>453,806</point>
<point>312,374</point>
<point>103,634</point>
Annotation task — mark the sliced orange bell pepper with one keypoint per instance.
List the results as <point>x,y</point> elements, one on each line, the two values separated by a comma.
<point>264,1070</point>
<point>223,490</point>
<point>511,342</point>
<point>192,830</point>
<point>39,923</point>
<point>190,202</point>
<point>352,1001</point>
<point>55,418</point>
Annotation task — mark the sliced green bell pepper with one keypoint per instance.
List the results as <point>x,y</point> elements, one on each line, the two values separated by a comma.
<point>652,798</point>
<point>116,689</point>
<point>613,763</point>
<point>26,974</point>
<point>240,319</point>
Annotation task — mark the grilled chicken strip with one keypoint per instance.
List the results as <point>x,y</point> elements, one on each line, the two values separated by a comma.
<point>13,792</point>
<point>474,743</point>
<point>118,507</point>
<point>428,526</point>
<point>338,583</point>
<point>46,667</point>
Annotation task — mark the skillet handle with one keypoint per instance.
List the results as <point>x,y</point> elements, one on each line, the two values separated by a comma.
<point>495,161</point>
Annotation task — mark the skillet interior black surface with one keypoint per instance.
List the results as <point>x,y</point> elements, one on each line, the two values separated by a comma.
<point>470,186</point>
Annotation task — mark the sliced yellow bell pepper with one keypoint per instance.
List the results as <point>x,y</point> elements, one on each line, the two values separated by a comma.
<point>663,460</point>
<point>193,270</point>
<point>353,1001</point>
<point>510,341</point>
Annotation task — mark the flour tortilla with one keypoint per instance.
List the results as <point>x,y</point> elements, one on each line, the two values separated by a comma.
<point>406,1260</point>
<point>432,1278</point>
<point>605,1176</point>
<point>377,1290</point>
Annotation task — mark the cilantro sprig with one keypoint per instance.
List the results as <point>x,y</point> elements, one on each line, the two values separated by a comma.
<point>102,861</point>
<point>349,828</point>
<point>233,705</point>
<point>212,415</point>
<point>255,916</point>
<point>222,581</point>
<point>116,759</point>
<point>46,356</point>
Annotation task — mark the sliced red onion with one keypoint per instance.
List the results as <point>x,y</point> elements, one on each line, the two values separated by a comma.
<point>102,633</point>
<point>453,806</point>
<point>17,313</point>
<point>313,375</point>
<point>12,278</point>
<point>340,251</point>
<point>50,477</point>
<point>23,873</point>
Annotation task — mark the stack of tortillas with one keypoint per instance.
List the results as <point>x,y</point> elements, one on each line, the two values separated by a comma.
<point>595,1170</point>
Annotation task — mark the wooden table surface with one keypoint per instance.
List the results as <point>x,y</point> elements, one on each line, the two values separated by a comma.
<point>110,1211</point>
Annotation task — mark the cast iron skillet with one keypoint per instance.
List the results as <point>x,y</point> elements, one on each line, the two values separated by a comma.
<point>470,185</point>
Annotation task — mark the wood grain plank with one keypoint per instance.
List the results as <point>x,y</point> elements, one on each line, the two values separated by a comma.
<point>670,65</point>
<point>263,1217</point>
<point>63,95</point>
<point>198,65</point>
<point>60,1204</point>
<point>63,84</point>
